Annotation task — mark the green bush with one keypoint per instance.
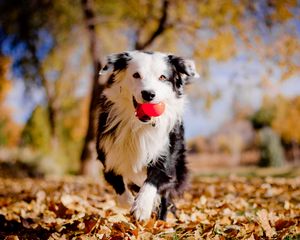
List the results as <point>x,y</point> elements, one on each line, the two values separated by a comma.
<point>263,117</point>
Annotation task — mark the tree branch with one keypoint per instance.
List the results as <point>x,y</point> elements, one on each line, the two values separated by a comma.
<point>162,26</point>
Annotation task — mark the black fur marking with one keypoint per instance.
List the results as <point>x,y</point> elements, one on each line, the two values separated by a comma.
<point>177,70</point>
<point>170,170</point>
<point>105,108</point>
<point>133,187</point>
<point>121,61</point>
<point>179,64</point>
<point>101,155</point>
<point>110,80</point>
<point>176,82</point>
<point>158,173</point>
<point>163,208</point>
<point>105,68</point>
<point>177,150</point>
<point>116,181</point>
<point>102,124</point>
<point>166,204</point>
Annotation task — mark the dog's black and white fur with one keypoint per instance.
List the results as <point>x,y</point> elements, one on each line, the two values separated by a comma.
<point>143,156</point>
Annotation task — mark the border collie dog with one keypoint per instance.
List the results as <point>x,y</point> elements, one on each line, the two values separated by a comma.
<point>143,156</point>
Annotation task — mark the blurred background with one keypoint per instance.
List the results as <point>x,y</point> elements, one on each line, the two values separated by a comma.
<point>244,110</point>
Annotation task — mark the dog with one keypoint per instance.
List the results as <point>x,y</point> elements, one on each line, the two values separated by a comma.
<point>143,156</point>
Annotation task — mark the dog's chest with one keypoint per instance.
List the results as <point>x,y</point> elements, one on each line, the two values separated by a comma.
<point>130,150</point>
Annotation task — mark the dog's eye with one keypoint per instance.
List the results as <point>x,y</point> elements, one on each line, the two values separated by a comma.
<point>162,78</point>
<point>136,75</point>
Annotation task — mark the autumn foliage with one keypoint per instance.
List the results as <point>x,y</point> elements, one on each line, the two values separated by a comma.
<point>213,208</point>
<point>9,130</point>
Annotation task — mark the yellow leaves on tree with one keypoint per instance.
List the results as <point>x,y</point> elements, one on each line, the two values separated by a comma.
<point>288,50</point>
<point>229,12</point>
<point>287,118</point>
<point>4,82</point>
<point>220,47</point>
<point>282,9</point>
<point>9,131</point>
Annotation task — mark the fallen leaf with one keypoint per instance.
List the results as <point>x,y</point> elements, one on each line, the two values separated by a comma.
<point>117,218</point>
<point>264,221</point>
<point>282,223</point>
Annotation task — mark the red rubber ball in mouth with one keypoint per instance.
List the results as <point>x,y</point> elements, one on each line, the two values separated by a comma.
<point>150,109</point>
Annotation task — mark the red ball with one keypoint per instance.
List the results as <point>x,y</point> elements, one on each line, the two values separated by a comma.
<point>150,109</point>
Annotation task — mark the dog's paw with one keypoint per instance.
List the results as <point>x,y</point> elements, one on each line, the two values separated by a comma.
<point>143,204</point>
<point>125,200</point>
<point>141,211</point>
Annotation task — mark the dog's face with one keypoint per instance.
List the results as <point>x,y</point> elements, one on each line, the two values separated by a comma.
<point>148,77</point>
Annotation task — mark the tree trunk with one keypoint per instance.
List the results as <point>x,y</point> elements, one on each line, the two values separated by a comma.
<point>88,158</point>
<point>51,108</point>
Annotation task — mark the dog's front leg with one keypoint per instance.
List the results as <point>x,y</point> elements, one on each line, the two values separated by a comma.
<point>124,197</point>
<point>146,198</point>
<point>144,202</point>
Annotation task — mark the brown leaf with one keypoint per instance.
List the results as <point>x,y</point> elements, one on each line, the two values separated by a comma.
<point>281,224</point>
<point>231,230</point>
<point>150,224</point>
<point>264,221</point>
<point>90,224</point>
<point>117,218</point>
<point>135,232</point>
<point>117,238</point>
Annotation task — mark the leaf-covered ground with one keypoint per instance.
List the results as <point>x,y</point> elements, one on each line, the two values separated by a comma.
<point>212,208</point>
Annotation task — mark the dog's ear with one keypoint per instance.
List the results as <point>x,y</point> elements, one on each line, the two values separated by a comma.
<point>186,68</point>
<point>114,64</point>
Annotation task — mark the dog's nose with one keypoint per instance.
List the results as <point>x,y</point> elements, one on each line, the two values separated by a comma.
<point>148,95</point>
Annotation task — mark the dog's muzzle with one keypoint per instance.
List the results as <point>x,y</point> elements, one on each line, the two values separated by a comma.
<point>143,118</point>
<point>148,112</point>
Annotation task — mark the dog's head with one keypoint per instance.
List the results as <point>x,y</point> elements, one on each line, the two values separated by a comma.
<point>150,77</point>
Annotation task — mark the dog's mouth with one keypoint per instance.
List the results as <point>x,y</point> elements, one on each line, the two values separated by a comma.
<point>146,112</point>
<point>142,117</point>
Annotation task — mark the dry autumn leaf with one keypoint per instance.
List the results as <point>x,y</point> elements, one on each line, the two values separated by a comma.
<point>263,218</point>
<point>212,208</point>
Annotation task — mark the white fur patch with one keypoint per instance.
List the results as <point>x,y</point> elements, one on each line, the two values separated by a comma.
<point>144,202</point>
